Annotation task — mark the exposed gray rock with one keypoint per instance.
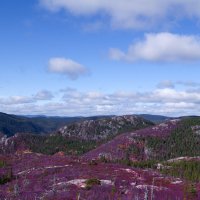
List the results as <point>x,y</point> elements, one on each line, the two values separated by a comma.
<point>103,128</point>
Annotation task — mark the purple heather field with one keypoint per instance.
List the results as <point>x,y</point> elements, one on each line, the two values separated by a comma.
<point>59,177</point>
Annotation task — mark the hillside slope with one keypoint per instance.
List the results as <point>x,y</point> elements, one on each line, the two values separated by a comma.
<point>75,138</point>
<point>169,140</point>
<point>36,176</point>
<point>119,147</point>
<point>12,124</point>
<point>104,128</point>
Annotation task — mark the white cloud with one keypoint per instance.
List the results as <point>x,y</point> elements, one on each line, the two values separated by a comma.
<point>161,47</point>
<point>16,100</point>
<point>129,13</point>
<point>171,95</point>
<point>22,100</point>
<point>67,67</point>
<point>159,101</point>
<point>71,102</point>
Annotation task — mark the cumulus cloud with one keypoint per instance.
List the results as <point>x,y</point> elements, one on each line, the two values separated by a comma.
<point>71,102</point>
<point>161,47</point>
<point>159,101</point>
<point>129,13</point>
<point>22,100</point>
<point>167,95</point>
<point>67,67</point>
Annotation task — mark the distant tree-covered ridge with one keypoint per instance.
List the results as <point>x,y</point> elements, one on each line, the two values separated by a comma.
<point>76,138</point>
<point>12,124</point>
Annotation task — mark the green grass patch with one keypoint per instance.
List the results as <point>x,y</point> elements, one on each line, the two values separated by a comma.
<point>188,170</point>
<point>92,182</point>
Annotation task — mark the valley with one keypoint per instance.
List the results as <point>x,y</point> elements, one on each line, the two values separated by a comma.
<point>117,157</point>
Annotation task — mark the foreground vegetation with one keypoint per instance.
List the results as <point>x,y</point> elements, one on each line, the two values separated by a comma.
<point>52,144</point>
<point>188,170</point>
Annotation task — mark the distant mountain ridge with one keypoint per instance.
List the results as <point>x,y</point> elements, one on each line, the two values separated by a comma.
<point>12,124</point>
<point>156,118</point>
<point>74,138</point>
<point>39,124</point>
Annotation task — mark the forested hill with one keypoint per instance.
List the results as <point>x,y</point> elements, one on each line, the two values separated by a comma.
<point>12,124</point>
<point>156,118</point>
<point>75,138</point>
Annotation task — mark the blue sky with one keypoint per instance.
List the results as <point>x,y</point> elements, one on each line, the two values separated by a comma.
<point>63,57</point>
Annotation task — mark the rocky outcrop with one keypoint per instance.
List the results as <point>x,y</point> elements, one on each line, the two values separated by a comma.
<point>103,128</point>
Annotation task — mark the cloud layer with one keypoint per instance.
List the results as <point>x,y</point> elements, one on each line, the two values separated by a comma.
<point>129,13</point>
<point>67,67</point>
<point>43,95</point>
<point>161,47</point>
<point>165,100</point>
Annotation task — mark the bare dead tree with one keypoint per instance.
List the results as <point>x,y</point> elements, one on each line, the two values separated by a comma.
<point>146,193</point>
<point>152,187</point>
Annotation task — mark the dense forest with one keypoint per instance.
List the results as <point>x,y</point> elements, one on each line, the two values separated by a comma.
<point>183,141</point>
<point>52,144</point>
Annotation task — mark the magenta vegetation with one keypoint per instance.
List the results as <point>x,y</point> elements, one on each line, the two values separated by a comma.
<point>94,176</point>
<point>59,177</point>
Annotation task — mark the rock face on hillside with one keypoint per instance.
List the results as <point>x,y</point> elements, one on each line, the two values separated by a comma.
<point>103,128</point>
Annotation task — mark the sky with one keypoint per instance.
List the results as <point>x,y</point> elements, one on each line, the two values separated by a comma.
<point>98,57</point>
